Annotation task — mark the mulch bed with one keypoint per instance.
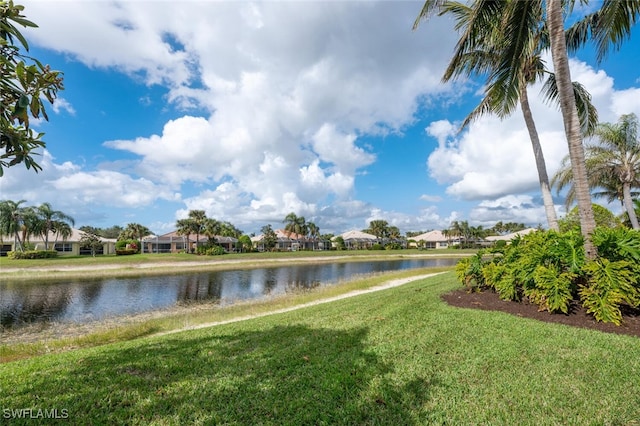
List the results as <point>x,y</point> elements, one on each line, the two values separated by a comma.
<point>577,317</point>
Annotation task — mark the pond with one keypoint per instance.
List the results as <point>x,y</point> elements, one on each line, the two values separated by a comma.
<point>83,300</point>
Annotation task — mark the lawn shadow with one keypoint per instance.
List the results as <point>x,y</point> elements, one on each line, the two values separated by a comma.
<point>281,375</point>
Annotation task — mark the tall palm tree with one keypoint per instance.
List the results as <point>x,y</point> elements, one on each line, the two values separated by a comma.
<point>518,23</point>
<point>47,216</point>
<point>612,162</point>
<point>498,39</point>
<point>571,122</point>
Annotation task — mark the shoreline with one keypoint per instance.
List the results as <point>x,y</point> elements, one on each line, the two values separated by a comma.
<point>62,271</point>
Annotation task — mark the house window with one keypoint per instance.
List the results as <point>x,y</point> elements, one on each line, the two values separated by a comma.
<point>163,248</point>
<point>63,247</point>
<point>4,249</point>
<point>87,250</point>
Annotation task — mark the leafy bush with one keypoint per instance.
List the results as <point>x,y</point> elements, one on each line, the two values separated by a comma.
<point>126,252</point>
<point>393,246</point>
<point>128,245</point>
<point>469,271</point>
<point>213,250</point>
<point>376,247</point>
<point>32,254</point>
<point>549,269</point>
<point>609,285</point>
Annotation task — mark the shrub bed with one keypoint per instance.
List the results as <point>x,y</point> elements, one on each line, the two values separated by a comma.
<point>32,254</point>
<point>549,269</point>
<point>126,252</point>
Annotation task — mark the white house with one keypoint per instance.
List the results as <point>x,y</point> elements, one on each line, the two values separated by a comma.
<point>64,246</point>
<point>511,236</point>
<point>433,240</point>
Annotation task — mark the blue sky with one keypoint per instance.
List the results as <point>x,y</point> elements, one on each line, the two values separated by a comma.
<point>249,111</point>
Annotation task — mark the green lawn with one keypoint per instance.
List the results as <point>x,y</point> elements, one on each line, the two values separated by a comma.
<point>395,357</point>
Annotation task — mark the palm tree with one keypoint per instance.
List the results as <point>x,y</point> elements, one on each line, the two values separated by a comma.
<point>314,232</point>
<point>519,22</point>
<point>612,162</point>
<point>295,224</point>
<point>379,228</point>
<point>61,229</point>
<point>136,232</point>
<point>199,218</point>
<point>185,227</point>
<point>211,229</point>
<point>571,121</point>
<point>11,220</point>
<point>497,44</point>
<point>47,217</point>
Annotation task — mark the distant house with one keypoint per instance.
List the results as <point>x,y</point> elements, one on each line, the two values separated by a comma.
<point>357,240</point>
<point>172,242</point>
<point>290,241</point>
<point>64,246</point>
<point>511,236</point>
<point>433,240</point>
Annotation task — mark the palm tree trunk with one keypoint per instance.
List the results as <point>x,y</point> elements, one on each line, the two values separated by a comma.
<point>543,177</point>
<point>571,123</point>
<point>628,205</point>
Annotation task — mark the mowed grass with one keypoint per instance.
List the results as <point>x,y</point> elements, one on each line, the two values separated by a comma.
<point>394,357</point>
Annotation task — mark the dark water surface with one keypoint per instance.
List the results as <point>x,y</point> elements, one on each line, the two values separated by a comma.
<point>85,300</point>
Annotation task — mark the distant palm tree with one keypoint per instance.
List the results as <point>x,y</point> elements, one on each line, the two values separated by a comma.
<point>185,227</point>
<point>211,229</point>
<point>379,228</point>
<point>314,232</point>
<point>12,220</point>
<point>613,163</point>
<point>47,216</point>
<point>137,232</point>
<point>199,218</point>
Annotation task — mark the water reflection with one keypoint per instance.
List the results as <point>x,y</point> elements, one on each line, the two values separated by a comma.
<point>89,300</point>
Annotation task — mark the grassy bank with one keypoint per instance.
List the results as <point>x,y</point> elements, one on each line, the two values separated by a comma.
<point>41,339</point>
<point>398,356</point>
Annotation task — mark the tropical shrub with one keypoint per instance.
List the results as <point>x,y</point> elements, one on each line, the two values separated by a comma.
<point>469,271</point>
<point>128,245</point>
<point>32,254</point>
<point>126,252</point>
<point>548,268</point>
<point>609,285</point>
<point>376,247</point>
<point>212,250</point>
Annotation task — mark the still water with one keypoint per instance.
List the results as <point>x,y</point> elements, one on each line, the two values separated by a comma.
<point>90,300</point>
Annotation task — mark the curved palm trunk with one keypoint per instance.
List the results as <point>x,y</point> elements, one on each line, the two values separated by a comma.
<point>628,205</point>
<point>543,177</point>
<point>571,123</point>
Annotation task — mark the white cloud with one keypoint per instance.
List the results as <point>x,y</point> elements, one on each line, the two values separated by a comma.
<point>67,185</point>
<point>287,93</point>
<point>290,87</point>
<point>510,208</point>
<point>493,158</point>
<point>62,104</point>
<point>431,198</point>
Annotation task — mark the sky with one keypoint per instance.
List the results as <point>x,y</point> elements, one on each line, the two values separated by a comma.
<point>332,110</point>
